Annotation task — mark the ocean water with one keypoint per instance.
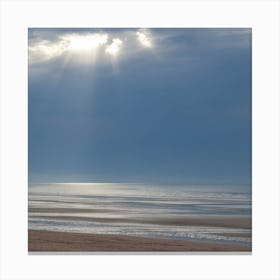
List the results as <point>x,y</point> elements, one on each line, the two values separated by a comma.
<point>168,211</point>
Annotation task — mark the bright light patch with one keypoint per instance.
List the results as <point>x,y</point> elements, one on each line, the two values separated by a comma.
<point>144,39</point>
<point>85,42</point>
<point>114,48</point>
<point>87,47</point>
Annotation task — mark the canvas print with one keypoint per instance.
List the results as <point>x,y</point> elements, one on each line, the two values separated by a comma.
<point>139,140</point>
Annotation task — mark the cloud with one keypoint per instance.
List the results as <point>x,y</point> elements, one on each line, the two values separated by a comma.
<point>114,48</point>
<point>144,39</point>
<point>92,45</point>
<point>44,50</point>
<point>230,37</point>
<point>45,45</point>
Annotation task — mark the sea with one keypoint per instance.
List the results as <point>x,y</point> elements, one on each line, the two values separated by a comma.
<point>178,212</point>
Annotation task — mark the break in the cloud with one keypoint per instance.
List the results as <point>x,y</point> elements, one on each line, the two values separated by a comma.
<point>114,48</point>
<point>144,39</point>
<point>85,42</point>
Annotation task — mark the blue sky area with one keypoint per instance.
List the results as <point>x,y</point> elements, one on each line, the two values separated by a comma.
<point>140,105</point>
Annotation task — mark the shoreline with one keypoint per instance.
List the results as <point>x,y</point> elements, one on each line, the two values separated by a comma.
<point>52,241</point>
<point>211,220</point>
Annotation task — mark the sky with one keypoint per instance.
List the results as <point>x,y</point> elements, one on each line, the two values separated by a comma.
<point>163,106</point>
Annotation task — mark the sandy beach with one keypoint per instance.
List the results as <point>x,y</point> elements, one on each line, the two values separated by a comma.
<point>49,241</point>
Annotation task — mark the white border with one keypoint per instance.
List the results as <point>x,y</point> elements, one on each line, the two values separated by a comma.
<point>262,16</point>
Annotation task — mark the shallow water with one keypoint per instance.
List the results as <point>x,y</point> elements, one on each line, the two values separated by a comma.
<point>140,210</point>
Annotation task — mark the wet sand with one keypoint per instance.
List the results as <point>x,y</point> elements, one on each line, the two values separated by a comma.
<point>49,241</point>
